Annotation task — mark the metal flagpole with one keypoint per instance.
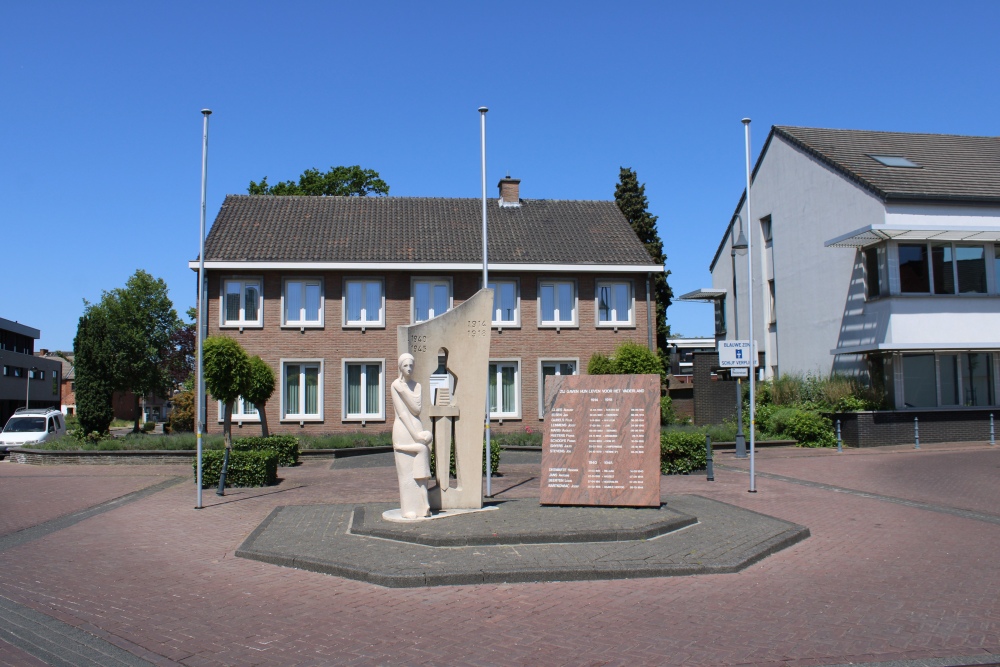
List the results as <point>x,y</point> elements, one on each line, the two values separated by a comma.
<point>753,346</point>
<point>486,277</point>
<point>200,426</point>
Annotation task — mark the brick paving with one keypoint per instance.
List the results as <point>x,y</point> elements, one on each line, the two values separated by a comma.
<point>876,582</point>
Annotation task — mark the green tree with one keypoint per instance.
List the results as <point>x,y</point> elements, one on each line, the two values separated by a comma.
<point>124,340</point>
<point>258,389</point>
<point>92,360</point>
<point>339,181</point>
<point>227,370</point>
<point>631,199</point>
<point>143,320</point>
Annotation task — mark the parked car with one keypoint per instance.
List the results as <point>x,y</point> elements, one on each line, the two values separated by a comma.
<point>29,427</point>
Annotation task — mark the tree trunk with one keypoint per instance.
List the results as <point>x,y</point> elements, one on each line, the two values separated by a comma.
<point>227,425</point>
<point>138,413</point>
<point>263,419</point>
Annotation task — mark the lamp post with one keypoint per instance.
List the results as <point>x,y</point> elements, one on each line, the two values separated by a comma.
<point>753,348</point>
<point>27,386</point>
<point>739,248</point>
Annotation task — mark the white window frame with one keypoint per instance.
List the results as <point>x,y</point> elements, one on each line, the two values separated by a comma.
<point>371,417</point>
<point>573,322</point>
<point>516,412</point>
<point>239,412</point>
<point>301,417</point>
<point>542,362</point>
<point>431,280</point>
<point>507,324</point>
<point>363,324</point>
<point>614,324</point>
<point>241,323</point>
<point>302,323</point>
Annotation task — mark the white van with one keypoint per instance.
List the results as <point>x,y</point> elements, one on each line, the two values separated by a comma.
<point>29,427</point>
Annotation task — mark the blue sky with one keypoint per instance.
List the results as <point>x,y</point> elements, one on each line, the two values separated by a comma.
<point>100,151</point>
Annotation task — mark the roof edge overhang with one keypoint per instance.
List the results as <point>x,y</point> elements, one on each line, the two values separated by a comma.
<point>703,294</point>
<point>251,265</point>
<point>917,347</point>
<point>872,234</point>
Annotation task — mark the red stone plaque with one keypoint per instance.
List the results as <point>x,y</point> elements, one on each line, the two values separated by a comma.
<point>602,440</point>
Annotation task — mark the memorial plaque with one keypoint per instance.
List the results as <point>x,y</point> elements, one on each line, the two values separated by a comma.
<point>602,440</point>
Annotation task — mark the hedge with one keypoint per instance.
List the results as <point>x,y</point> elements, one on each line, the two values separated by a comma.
<point>681,452</point>
<point>245,469</point>
<point>285,446</point>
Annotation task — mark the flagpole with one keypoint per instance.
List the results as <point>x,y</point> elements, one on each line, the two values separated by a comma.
<point>200,393</point>
<point>486,277</point>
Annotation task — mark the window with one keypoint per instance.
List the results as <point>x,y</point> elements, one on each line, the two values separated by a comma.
<point>301,395</point>
<point>303,302</point>
<point>552,367</point>
<point>765,228</point>
<point>954,269</point>
<point>363,389</point>
<point>504,389</point>
<point>996,267</point>
<point>720,316</point>
<point>364,304</point>
<point>894,161</point>
<point>430,298</point>
<point>614,303</point>
<point>948,379</point>
<point>557,303</point>
<point>505,303</point>
<point>241,302</point>
<point>873,280</point>
<point>242,411</point>
<point>914,276</point>
<point>772,308</point>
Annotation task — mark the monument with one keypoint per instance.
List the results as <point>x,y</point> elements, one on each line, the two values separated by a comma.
<point>602,441</point>
<point>441,391</point>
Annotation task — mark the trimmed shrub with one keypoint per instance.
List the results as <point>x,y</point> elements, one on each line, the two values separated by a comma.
<point>681,451</point>
<point>245,469</point>
<point>527,438</point>
<point>182,416</point>
<point>600,364</point>
<point>634,359</point>
<point>810,429</point>
<point>148,426</point>
<point>285,446</point>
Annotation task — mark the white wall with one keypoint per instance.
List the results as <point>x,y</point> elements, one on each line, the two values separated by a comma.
<point>808,204</point>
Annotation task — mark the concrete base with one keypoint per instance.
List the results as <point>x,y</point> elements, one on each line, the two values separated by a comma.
<point>396,515</point>
<point>520,542</point>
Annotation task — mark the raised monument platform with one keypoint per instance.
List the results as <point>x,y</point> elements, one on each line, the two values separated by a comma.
<point>520,542</point>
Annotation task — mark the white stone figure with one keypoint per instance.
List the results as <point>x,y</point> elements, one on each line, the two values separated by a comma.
<point>410,443</point>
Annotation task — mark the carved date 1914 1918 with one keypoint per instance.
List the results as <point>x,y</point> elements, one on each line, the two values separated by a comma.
<point>478,328</point>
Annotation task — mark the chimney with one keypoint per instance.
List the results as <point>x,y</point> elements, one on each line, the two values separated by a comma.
<point>510,194</point>
<point>43,352</point>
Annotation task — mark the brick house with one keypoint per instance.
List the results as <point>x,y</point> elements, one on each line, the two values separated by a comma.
<point>318,285</point>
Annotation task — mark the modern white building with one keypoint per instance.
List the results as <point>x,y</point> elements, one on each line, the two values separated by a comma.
<point>874,253</point>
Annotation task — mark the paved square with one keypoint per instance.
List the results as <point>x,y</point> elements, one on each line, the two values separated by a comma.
<point>902,565</point>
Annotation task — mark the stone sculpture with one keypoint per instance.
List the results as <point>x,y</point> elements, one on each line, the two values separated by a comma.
<point>455,410</point>
<point>410,443</point>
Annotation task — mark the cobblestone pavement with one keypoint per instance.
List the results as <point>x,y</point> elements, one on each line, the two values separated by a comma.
<point>879,581</point>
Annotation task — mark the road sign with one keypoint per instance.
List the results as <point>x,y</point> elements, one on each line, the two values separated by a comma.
<point>739,372</point>
<point>735,354</point>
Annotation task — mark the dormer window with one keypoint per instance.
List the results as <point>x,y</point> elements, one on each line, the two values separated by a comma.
<point>894,161</point>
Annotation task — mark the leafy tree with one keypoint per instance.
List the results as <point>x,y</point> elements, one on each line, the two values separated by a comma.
<point>144,320</point>
<point>339,181</point>
<point>183,415</point>
<point>227,370</point>
<point>125,339</point>
<point>92,357</point>
<point>258,389</point>
<point>631,199</point>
